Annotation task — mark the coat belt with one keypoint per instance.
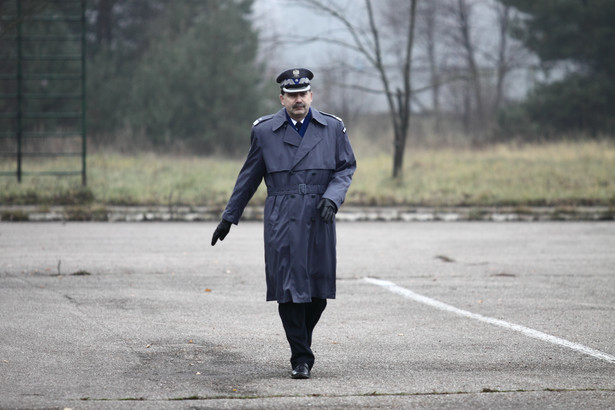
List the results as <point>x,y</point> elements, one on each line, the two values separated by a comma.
<point>300,189</point>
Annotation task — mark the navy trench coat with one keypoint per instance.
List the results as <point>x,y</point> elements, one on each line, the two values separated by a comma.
<point>300,254</point>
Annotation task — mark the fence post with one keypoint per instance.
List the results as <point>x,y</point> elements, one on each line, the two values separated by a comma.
<point>83,97</point>
<point>19,92</point>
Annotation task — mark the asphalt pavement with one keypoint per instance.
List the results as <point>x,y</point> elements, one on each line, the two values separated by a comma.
<point>428,315</point>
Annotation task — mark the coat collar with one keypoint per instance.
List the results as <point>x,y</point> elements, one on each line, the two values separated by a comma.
<point>279,118</point>
<point>312,136</point>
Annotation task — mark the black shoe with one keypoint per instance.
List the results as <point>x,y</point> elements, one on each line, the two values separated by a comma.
<point>301,371</point>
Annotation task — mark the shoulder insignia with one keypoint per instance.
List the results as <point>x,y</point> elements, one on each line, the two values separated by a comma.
<point>336,117</point>
<point>261,119</point>
<point>331,115</point>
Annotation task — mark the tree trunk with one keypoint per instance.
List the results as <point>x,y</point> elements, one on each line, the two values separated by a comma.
<point>502,62</point>
<point>104,22</point>
<point>464,27</point>
<point>431,21</point>
<point>435,92</point>
<point>400,135</point>
<point>404,100</point>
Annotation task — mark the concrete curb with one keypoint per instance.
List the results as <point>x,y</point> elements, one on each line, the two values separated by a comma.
<point>347,213</point>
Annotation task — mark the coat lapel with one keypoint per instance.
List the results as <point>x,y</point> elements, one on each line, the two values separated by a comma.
<point>312,137</point>
<point>291,137</point>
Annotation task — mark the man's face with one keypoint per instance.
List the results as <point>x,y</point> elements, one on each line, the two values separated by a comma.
<point>297,104</point>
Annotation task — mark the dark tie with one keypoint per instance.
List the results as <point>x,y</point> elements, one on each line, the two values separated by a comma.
<point>298,125</point>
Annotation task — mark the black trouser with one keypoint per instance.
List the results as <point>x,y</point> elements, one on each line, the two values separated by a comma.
<point>299,320</point>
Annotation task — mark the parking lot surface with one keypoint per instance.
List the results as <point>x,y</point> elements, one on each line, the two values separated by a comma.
<point>428,314</point>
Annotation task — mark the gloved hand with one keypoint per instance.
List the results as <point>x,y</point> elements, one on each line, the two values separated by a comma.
<point>221,231</point>
<point>327,209</point>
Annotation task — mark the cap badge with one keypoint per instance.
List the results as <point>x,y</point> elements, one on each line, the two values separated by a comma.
<point>295,73</point>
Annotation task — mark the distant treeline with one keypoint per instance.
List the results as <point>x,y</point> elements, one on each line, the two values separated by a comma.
<point>577,36</point>
<point>186,73</point>
<point>173,72</point>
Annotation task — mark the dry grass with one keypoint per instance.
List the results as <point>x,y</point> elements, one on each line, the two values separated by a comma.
<point>573,173</point>
<point>552,174</point>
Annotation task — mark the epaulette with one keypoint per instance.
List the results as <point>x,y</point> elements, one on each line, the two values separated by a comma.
<point>331,115</point>
<point>336,117</point>
<point>261,119</point>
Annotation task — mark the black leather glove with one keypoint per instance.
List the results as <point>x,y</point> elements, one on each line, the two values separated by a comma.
<point>327,209</point>
<point>221,231</point>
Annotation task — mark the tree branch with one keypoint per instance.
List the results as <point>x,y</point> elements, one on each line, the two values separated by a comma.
<point>359,45</point>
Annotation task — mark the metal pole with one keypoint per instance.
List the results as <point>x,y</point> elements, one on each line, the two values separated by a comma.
<point>83,97</point>
<point>19,92</point>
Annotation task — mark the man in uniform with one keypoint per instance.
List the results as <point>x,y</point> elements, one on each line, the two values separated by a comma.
<point>307,162</point>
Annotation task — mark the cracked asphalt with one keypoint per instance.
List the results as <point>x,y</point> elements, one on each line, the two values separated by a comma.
<point>149,315</point>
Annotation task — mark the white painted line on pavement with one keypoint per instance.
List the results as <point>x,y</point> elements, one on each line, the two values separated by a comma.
<point>497,322</point>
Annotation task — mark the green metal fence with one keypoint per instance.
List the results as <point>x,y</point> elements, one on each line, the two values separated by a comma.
<point>43,85</point>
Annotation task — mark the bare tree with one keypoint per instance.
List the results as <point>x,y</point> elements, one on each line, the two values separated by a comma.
<point>368,41</point>
<point>429,36</point>
<point>474,108</point>
<point>509,54</point>
<point>343,101</point>
<point>485,58</point>
<point>502,62</point>
<point>463,57</point>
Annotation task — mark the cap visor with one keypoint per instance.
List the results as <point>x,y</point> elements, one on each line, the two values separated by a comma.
<point>296,90</point>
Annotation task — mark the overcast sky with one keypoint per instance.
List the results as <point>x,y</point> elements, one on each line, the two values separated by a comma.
<point>286,22</point>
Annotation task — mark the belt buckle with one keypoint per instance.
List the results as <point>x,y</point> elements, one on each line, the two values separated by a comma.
<point>303,189</point>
